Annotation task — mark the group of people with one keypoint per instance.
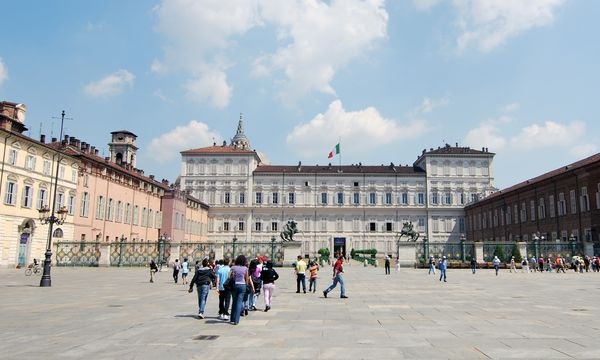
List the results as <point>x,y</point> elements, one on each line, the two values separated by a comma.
<point>577,264</point>
<point>442,265</point>
<point>300,268</point>
<point>238,285</point>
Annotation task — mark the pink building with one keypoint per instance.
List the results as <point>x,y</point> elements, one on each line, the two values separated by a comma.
<point>185,218</point>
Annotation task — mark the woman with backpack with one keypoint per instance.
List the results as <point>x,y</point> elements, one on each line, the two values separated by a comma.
<point>268,277</point>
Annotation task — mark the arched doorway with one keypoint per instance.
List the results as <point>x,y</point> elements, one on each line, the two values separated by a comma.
<point>25,232</point>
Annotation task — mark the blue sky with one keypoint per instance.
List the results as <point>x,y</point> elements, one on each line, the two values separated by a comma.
<point>388,78</point>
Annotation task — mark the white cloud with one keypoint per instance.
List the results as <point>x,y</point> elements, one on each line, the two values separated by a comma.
<point>428,105</point>
<point>488,24</point>
<point>550,134</point>
<point>361,130</point>
<point>158,67</point>
<point>167,146</point>
<point>425,5</point>
<point>584,150</point>
<point>110,85</point>
<point>211,88</point>
<point>3,72</point>
<point>486,135</point>
<point>159,94</point>
<point>512,107</point>
<point>316,38</point>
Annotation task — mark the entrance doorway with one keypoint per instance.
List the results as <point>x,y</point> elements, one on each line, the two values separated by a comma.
<point>339,246</point>
<point>24,247</point>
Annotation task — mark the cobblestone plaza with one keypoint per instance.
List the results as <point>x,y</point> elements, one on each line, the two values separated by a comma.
<point>108,313</point>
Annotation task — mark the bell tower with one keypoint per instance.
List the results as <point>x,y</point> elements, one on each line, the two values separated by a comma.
<point>123,148</point>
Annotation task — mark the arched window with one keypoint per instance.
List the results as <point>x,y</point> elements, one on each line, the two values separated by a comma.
<point>58,233</point>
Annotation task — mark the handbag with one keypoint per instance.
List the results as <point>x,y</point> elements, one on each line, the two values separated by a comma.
<point>228,284</point>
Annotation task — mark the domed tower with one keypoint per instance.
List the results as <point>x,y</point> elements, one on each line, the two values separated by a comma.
<point>240,141</point>
<point>123,148</point>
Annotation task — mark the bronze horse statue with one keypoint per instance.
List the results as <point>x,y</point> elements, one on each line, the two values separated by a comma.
<point>407,230</point>
<point>288,231</point>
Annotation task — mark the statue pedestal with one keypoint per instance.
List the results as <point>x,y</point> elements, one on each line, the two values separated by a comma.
<point>291,250</point>
<point>104,260</point>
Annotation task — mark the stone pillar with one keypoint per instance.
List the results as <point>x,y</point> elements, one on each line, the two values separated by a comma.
<point>104,260</point>
<point>522,245</point>
<point>408,255</point>
<point>291,250</point>
<point>478,246</point>
<point>219,252</point>
<point>175,249</point>
<point>588,248</point>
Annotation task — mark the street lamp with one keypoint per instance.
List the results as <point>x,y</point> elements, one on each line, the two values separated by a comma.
<point>273,248</point>
<point>234,239</point>
<point>121,244</point>
<point>46,280</point>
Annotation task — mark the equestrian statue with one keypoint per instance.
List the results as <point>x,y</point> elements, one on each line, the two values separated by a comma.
<point>407,230</point>
<point>288,231</point>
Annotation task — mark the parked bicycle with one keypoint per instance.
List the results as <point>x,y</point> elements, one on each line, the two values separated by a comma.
<point>33,268</point>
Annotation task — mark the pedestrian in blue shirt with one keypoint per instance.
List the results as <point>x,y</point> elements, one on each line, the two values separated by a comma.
<point>443,265</point>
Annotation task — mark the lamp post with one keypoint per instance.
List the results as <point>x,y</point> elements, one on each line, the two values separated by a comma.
<point>46,280</point>
<point>121,244</point>
<point>273,248</point>
<point>161,248</point>
<point>463,250</point>
<point>572,240</point>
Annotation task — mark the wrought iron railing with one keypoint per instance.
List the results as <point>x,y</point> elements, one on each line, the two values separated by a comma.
<point>77,253</point>
<point>553,249</point>
<point>197,251</point>
<point>502,250</point>
<point>452,251</point>
<point>271,249</point>
<point>138,253</point>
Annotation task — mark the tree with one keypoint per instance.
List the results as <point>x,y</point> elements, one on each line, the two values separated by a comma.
<point>516,252</point>
<point>499,252</point>
<point>324,252</point>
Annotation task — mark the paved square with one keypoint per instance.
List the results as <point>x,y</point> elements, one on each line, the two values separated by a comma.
<point>116,313</point>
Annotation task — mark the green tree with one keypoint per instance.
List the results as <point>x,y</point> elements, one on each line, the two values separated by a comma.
<point>517,254</point>
<point>499,252</point>
<point>324,252</point>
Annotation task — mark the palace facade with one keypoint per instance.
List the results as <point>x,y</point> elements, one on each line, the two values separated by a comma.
<point>339,207</point>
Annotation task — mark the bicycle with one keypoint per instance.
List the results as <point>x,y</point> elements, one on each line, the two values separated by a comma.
<point>33,268</point>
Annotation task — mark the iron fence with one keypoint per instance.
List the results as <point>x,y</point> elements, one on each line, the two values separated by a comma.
<point>197,251</point>
<point>452,251</point>
<point>502,250</point>
<point>271,249</point>
<point>553,249</point>
<point>77,253</point>
<point>138,253</point>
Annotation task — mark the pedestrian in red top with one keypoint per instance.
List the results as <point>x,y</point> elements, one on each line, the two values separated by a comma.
<point>338,271</point>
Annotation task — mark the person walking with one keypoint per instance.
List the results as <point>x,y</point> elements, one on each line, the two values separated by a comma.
<point>387,265</point>
<point>496,263</point>
<point>241,279</point>
<point>513,264</point>
<point>473,265</point>
<point>397,265</point>
<point>268,277</point>
<point>524,265</point>
<point>431,265</point>
<point>185,269</point>
<point>300,275</point>
<point>313,269</point>
<point>541,264</point>
<point>153,270</point>
<point>338,278</point>
<point>176,267</point>
<point>203,277</point>
<point>224,294</point>
<point>533,264</point>
<point>443,265</point>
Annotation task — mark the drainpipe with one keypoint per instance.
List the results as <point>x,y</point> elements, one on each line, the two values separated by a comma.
<point>4,160</point>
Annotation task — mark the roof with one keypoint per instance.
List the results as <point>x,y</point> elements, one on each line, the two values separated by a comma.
<point>541,178</point>
<point>335,169</point>
<point>453,150</point>
<point>123,132</point>
<point>223,149</point>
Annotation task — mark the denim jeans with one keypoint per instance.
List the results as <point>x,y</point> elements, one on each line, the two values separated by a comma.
<point>312,284</point>
<point>239,290</point>
<point>473,269</point>
<point>443,274</point>
<point>497,268</point>
<point>338,279</point>
<point>202,296</point>
<point>224,302</point>
<point>300,279</point>
<point>431,269</point>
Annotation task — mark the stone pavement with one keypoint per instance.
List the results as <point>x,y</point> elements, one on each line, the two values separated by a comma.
<point>111,313</point>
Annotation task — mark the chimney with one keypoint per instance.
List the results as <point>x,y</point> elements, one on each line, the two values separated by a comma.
<point>483,149</point>
<point>72,140</point>
<point>92,150</point>
<point>96,151</point>
<point>456,144</point>
<point>83,146</point>
<point>151,177</point>
<point>66,140</point>
<point>43,139</point>
<point>54,139</point>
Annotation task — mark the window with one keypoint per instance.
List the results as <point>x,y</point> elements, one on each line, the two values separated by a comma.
<point>225,225</point>
<point>275,198</point>
<point>404,198</point>
<point>61,172</point>
<point>434,198</point>
<point>323,224</point>
<point>573,202</point>
<point>71,205</point>
<point>372,198</point>
<point>508,216</point>
<point>372,226</point>
<point>227,198</point>
<point>258,198</point>
<point>85,205</point>
<point>551,205</point>
<point>461,198</point>
<point>111,210</point>
<point>532,209</point>
<point>388,198</point>
<point>516,213</point>
<point>145,218</point>
<point>541,209</point>
<point>12,156</point>
<point>435,224</point>
<point>119,214</point>
<point>448,198</point>
<point>523,212</point>
<point>258,226</point>
<point>356,183</point>
<point>474,197</point>
<point>30,162</point>
<point>421,198</point>
<point>585,200</point>
<point>356,198</point>
<point>100,208</point>
<point>274,226</point>
<point>136,214</point>
<point>447,168</point>
<point>60,200</point>
<point>598,196</point>
<point>27,196</point>
<point>241,226</point>
<point>127,213</point>
<point>46,167</point>
<point>74,176</point>
<point>323,198</point>
<point>562,206</point>
<point>388,226</point>
<point>10,197</point>
<point>291,198</point>
<point>355,224</point>
<point>459,168</point>
<point>421,223</point>
<point>340,198</point>
<point>242,198</point>
<point>461,225</point>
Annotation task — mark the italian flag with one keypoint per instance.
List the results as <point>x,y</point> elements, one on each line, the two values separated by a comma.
<point>335,151</point>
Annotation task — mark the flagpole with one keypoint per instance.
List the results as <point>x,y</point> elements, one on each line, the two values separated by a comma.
<point>340,143</point>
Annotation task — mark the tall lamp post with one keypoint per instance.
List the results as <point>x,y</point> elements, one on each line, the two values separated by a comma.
<point>52,219</point>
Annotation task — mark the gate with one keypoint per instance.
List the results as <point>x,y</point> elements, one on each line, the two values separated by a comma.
<point>138,253</point>
<point>77,253</point>
<point>452,251</point>
<point>270,249</point>
<point>197,251</point>
<point>554,249</point>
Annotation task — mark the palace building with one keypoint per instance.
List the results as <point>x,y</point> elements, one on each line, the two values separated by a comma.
<point>339,207</point>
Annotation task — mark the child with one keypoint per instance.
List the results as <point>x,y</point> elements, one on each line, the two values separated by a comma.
<point>313,268</point>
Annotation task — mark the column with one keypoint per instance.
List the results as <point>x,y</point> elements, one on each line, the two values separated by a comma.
<point>478,246</point>
<point>104,260</point>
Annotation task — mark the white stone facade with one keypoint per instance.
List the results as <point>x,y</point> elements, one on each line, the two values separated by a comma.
<point>361,206</point>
